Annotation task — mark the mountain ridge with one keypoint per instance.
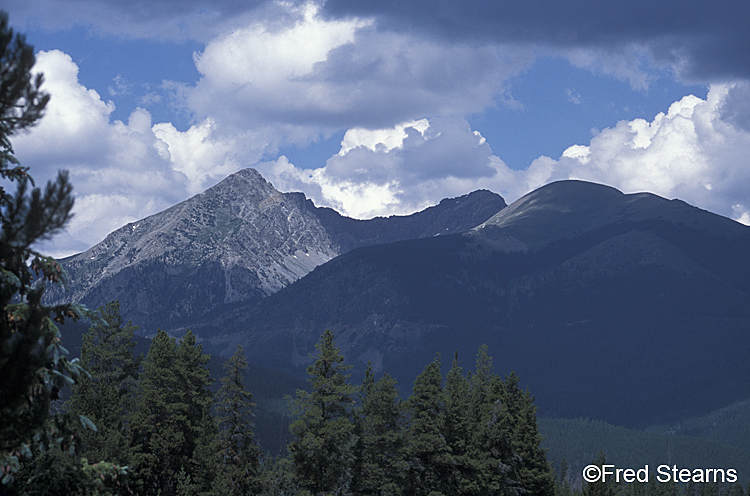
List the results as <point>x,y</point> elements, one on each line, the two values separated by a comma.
<point>629,308</point>
<point>570,207</point>
<point>236,243</point>
<point>595,306</point>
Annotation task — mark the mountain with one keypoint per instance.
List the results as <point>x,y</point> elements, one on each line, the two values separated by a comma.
<point>633,309</point>
<point>235,244</point>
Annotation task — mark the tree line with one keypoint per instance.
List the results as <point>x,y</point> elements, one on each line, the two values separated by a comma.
<point>459,435</point>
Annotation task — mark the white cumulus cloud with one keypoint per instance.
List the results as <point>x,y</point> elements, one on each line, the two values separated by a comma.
<point>309,76</point>
<point>696,151</point>
<point>121,171</point>
<point>402,169</point>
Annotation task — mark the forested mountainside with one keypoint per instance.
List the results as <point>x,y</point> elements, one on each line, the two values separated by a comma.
<point>628,308</point>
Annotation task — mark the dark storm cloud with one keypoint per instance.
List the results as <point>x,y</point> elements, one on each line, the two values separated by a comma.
<point>702,40</point>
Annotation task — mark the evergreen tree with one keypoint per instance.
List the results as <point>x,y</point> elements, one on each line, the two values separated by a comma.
<point>736,489</point>
<point>670,488</point>
<point>635,488</point>
<point>599,487</point>
<point>709,489</point>
<point>106,395</point>
<point>458,428</point>
<point>323,432</point>
<point>564,487</point>
<point>481,383</point>
<point>200,426</point>
<point>534,472</point>
<point>497,462</point>
<point>427,452</point>
<point>172,417</point>
<point>53,471</point>
<point>240,455</point>
<point>380,464</point>
<point>33,363</point>
<point>491,449</point>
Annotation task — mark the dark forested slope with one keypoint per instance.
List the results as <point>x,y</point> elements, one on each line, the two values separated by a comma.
<point>629,308</point>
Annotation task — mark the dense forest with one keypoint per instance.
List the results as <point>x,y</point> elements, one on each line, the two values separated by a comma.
<point>164,428</point>
<point>458,434</point>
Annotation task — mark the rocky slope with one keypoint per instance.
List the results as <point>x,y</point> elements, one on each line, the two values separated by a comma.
<point>234,244</point>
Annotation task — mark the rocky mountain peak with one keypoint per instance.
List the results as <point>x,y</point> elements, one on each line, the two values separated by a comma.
<point>238,241</point>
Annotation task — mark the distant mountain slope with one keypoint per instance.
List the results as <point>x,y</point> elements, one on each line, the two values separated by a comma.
<point>237,243</point>
<point>579,441</point>
<point>729,425</point>
<point>570,208</point>
<point>450,216</point>
<point>629,308</point>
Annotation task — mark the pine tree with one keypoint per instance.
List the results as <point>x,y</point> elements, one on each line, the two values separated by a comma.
<point>599,487</point>
<point>563,483</point>
<point>493,450</point>
<point>200,426</point>
<point>323,432</point>
<point>534,472</point>
<point>240,455</point>
<point>156,437</point>
<point>427,452</point>
<point>458,429</point>
<point>33,363</point>
<point>736,489</point>
<point>172,417</point>
<point>480,383</point>
<point>670,488</point>
<point>380,464</point>
<point>106,395</point>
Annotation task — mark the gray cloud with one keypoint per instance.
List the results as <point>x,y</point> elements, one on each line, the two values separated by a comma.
<point>702,40</point>
<point>736,108</point>
<point>347,75</point>
<point>271,74</point>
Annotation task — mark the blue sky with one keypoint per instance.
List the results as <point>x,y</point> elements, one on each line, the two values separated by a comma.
<point>385,107</point>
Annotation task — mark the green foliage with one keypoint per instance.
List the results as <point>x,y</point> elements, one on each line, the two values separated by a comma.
<point>106,394</point>
<point>22,102</point>
<point>172,417</point>
<point>240,455</point>
<point>56,472</point>
<point>380,467</point>
<point>563,484</point>
<point>474,435</point>
<point>427,451</point>
<point>323,432</point>
<point>578,440</point>
<point>534,472</point>
<point>33,363</point>
<point>458,429</point>
<point>729,425</point>
<point>277,478</point>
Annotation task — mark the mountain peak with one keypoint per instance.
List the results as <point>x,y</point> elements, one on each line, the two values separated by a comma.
<point>238,241</point>
<point>564,208</point>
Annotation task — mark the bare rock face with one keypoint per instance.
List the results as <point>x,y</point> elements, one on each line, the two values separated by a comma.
<point>236,243</point>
